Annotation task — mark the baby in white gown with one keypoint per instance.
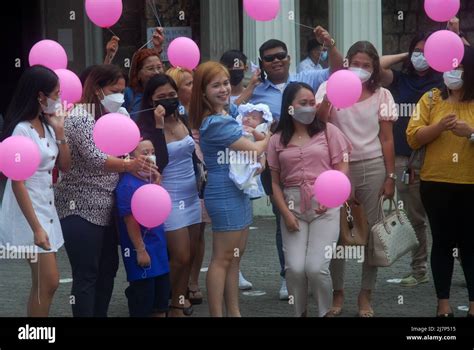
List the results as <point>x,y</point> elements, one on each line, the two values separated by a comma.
<point>256,121</point>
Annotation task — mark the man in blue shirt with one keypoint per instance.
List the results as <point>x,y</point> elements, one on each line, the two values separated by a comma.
<point>275,62</point>
<point>316,55</point>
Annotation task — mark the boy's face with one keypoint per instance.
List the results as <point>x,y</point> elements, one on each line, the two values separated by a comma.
<point>145,148</point>
<point>253,119</point>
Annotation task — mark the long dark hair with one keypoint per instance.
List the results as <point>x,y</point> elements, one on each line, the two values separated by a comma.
<point>25,105</point>
<point>468,77</point>
<point>369,49</point>
<point>99,77</point>
<point>146,120</point>
<point>407,64</point>
<point>286,126</point>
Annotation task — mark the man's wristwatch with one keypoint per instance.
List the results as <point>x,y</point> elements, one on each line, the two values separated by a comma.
<point>392,176</point>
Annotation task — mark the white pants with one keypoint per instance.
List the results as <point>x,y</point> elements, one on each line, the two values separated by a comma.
<point>306,261</point>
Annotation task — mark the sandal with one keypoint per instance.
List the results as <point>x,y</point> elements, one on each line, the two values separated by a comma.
<point>195,296</point>
<point>187,311</point>
<point>334,311</point>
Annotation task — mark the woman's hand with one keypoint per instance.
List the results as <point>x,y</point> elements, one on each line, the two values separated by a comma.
<point>462,129</point>
<point>255,80</point>
<point>448,122</point>
<point>321,209</point>
<point>291,222</point>
<point>57,123</point>
<point>248,129</point>
<point>143,259</point>
<point>388,189</point>
<point>42,239</point>
<point>160,113</point>
<point>111,49</point>
<point>158,38</point>
<point>140,164</point>
<point>156,177</point>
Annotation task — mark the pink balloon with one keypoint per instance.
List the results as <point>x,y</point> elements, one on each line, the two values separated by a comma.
<point>19,158</point>
<point>116,134</point>
<point>1,157</point>
<point>262,10</point>
<point>332,188</point>
<point>104,13</point>
<point>442,10</point>
<point>48,53</point>
<point>444,50</point>
<point>151,205</point>
<point>344,89</point>
<point>183,52</point>
<point>71,86</point>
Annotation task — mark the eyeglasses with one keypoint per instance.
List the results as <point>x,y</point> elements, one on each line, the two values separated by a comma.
<point>280,56</point>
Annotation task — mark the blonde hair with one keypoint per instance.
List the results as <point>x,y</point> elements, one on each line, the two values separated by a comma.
<point>200,107</point>
<point>178,73</point>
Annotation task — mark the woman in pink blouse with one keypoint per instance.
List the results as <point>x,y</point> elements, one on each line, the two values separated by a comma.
<point>368,125</point>
<point>302,148</point>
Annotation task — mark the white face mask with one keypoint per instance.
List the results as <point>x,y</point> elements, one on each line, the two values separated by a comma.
<point>361,73</point>
<point>151,159</point>
<point>113,102</point>
<point>453,79</point>
<point>419,61</point>
<point>52,106</point>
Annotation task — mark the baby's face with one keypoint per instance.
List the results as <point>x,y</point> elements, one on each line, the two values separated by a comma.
<point>253,119</point>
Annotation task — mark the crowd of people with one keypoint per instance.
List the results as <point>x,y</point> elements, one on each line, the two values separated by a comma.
<point>291,133</point>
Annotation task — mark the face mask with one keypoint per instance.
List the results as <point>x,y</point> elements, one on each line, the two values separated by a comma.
<point>169,104</point>
<point>305,115</point>
<point>113,102</point>
<point>52,106</point>
<point>151,159</point>
<point>236,76</point>
<point>419,61</point>
<point>453,79</point>
<point>324,56</point>
<point>361,73</point>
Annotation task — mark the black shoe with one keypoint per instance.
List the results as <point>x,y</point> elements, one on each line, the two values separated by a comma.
<point>469,315</point>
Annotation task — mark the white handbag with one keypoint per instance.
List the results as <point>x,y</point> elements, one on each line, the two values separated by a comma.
<point>391,237</point>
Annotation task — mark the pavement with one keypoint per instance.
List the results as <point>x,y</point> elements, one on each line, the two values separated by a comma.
<point>260,266</point>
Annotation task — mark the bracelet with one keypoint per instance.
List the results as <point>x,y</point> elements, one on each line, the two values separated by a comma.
<point>140,250</point>
<point>125,162</point>
<point>61,142</point>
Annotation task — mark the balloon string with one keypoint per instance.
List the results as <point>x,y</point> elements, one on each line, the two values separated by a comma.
<point>154,11</point>
<point>302,25</point>
<point>149,41</point>
<point>110,30</point>
<point>144,110</point>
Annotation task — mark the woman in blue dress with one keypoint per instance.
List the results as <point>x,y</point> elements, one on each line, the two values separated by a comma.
<point>229,208</point>
<point>179,179</point>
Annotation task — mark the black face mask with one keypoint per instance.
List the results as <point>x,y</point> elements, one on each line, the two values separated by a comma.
<point>169,104</point>
<point>236,76</point>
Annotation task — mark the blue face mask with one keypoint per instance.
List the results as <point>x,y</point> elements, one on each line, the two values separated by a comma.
<point>324,56</point>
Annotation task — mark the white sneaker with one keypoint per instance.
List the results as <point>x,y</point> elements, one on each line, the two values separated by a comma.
<point>283,290</point>
<point>243,283</point>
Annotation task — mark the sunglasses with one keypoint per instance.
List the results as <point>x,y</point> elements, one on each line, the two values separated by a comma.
<point>280,56</point>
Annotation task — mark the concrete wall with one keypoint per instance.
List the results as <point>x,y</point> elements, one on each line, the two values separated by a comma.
<point>398,34</point>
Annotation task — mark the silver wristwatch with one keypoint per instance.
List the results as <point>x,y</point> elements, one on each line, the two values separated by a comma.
<point>392,176</point>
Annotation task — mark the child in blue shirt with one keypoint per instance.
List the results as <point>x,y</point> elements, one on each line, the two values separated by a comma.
<point>144,250</point>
